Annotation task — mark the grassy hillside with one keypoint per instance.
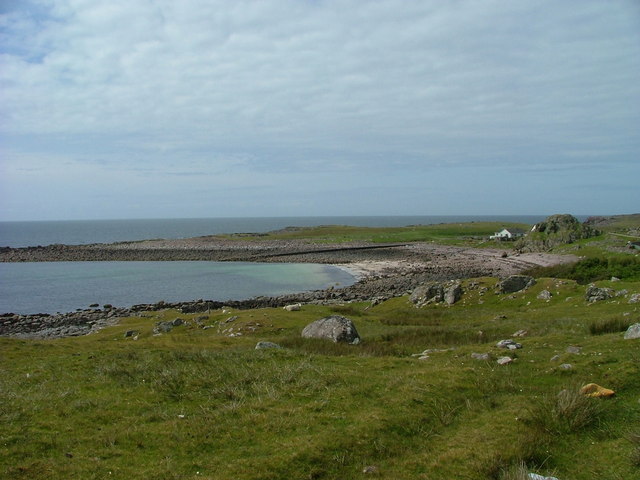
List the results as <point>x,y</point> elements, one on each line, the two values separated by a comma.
<point>198,403</point>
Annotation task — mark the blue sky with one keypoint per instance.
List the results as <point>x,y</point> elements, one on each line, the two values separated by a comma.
<point>201,108</point>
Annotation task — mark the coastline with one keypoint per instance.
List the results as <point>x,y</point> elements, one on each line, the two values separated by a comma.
<point>381,271</point>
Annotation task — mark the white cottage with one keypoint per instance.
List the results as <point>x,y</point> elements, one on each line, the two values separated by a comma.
<point>508,234</point>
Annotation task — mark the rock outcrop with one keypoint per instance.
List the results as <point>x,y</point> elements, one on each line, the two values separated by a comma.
<point>553,231</point>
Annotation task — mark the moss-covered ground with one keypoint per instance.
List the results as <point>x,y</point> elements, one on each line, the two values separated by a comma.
<point>198,403</point>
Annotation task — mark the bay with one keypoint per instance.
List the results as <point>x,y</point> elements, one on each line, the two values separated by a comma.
<point>50,287</point>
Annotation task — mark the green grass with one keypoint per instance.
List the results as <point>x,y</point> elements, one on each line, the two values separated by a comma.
<point>197,403</point>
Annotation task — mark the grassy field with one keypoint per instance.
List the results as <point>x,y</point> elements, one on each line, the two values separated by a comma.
<point>198,403</point>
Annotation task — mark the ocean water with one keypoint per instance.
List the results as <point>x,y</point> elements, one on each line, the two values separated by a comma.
<point>50,287</point>
<point>83,232</point>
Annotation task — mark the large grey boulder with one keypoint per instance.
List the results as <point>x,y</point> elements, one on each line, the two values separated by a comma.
<point>335,327</point>
<point>436,292</point>
<point>432,292</point>
<point>632,332</point>
<point>596,294</point>
<point>515,283</point>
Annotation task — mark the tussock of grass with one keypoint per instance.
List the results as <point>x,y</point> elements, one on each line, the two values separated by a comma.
<point>567,411</point>
<point>609,325</point>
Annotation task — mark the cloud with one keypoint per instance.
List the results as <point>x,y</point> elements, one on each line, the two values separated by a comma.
<point>281,86</point>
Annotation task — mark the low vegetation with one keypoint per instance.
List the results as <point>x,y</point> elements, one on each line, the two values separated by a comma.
<point>198,403</point>
<point>593,269</point>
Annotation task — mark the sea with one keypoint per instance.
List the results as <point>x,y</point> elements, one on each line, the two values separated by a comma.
<point>50,287</point>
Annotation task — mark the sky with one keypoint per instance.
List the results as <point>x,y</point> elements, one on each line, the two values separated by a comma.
<point>250,108</point>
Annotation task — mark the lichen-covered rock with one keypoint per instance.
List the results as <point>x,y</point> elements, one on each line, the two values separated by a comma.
<point>515,283</point>
<point>335,327</point>
<point>597,294</point>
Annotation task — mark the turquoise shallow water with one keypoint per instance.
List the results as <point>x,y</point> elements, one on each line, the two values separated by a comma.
<point>51,287</point>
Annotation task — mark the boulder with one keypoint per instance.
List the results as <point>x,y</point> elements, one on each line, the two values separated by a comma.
<point>432,292</point>
<point>632,332</point>
<point>515,283</point>
<point>436,292</point>
<point>597,294</point>
<point>334,327</point>
<point>163,327</point>
<point>545,295</point>
<point>452,293</point>
<point>635,298</point>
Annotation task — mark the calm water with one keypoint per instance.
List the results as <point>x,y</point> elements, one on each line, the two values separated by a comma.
<point>82,232</point>
<point>51,287</point>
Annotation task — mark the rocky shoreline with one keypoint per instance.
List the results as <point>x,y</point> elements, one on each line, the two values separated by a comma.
<point>383,271</point>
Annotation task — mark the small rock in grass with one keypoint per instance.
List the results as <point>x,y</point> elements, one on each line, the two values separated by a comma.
<point>177,322</point>
<point>535,476</point>
<point>632,332</point>
<point>545,295</point>
<point>566,366</point>
<point>370,469</point>
<point>555,358</point>
<point>520,333</point>
<point>595,390</point>
<point>131,333</point>
<point>266,345</point>
<point>481,356</point>
<point>504,360</point>
<point>635,298</point>
<point>508,343</point>
<point>573,349</point>
<point>292,308</point>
